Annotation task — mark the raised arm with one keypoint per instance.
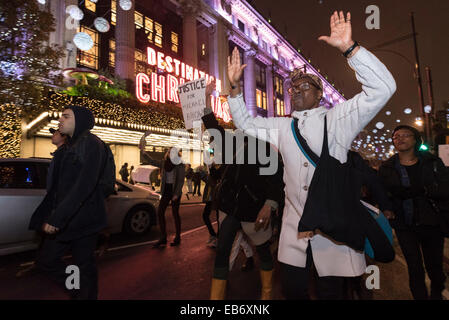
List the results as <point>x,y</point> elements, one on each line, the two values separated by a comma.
<point>347,119</point>
<point>242,119</point>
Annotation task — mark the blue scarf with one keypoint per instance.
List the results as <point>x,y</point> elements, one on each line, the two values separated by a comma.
<point>407,205</point>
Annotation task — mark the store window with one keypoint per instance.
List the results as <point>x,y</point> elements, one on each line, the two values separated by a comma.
<point>112,53</point>
<point>90,5</point>
<point>280,107</point>
<point>89,58</point>
<point>138,20</point>
<point>203,49</point>
<point>140,60</point>
<point>261,84</point>
<point>149,29</point>
<point>158,35</point>
<point>174,42</point>
<point>113,12</point>
<point>241,26</point>
<point>279,95</point>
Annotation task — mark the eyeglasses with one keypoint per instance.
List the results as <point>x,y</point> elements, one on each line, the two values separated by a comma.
<point>300,88</point>
<point>397,136</point>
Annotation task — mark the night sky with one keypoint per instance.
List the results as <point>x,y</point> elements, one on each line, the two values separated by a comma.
<point>302,22</point>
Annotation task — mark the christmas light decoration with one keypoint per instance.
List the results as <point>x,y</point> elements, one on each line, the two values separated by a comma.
<point>101,24</point>
<point>125,4</point>
<point>83,41</point>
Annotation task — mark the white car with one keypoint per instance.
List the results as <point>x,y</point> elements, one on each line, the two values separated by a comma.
<point>23,186</point>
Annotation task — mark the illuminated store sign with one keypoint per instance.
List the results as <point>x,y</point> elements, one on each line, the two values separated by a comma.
<point>164,87</point>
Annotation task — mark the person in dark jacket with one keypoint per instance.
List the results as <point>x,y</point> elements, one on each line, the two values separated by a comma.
<point>415,181</point>
<point>189,177</point>
<point>245,199</point>
<point>214,176</point>
<point>373,193</point>
<point>59,140</point>
<point>197,181</point>
<point>124,174</point>
<point>73,211</point>
<point>172,181</point>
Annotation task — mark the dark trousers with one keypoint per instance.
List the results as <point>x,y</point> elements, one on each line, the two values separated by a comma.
<point>83,253</point>
<point>296,282</point>
<point>163,204</point>
<point>197,184</point>
<point>206,218</point>
<point>226,236</point>
<point>429,241</point>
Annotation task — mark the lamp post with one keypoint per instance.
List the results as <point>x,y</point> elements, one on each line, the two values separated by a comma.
<point>416,72</point>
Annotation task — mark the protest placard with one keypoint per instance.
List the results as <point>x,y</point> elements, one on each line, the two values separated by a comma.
<point>192,96</point>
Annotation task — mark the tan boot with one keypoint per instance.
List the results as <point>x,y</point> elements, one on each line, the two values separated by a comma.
<point>218,289</point>
<point>266,278</point>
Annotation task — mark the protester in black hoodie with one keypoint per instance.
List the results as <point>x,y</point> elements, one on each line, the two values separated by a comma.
<point>73,212</point>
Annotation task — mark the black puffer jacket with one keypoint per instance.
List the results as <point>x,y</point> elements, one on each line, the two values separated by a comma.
<point>243,190</point>
<point>434,186</point>
<point>75,204</point>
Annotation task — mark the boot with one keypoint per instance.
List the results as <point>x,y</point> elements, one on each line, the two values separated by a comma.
<point>218,289</point>
<point>266,278</point>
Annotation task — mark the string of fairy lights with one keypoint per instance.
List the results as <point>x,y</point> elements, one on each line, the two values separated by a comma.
<point>10,131</point>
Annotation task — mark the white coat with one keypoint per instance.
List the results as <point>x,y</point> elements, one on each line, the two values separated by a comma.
<point>344,122</point>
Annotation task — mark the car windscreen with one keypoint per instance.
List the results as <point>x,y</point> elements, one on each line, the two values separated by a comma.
<point>22,175</point>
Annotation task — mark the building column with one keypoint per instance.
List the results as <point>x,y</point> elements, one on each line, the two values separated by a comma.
<point>287,105</point>
<point>250,82</point>
<point>65,30</point>
<point>125,45</point>
<point>219,52</point>
<point>189,10</point>
<point>270,91</point>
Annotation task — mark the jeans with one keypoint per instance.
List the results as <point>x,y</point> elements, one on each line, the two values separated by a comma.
<point>296,280</point>
<point>428,243</point>
<point>163,204</point>
<point>206,218</point>
<point>226,236</point>
<point>83,252</point>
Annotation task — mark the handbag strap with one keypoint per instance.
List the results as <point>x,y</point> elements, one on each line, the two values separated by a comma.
<point>304,147</point>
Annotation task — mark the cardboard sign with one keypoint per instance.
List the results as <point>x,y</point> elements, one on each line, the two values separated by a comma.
<point>443,153</point>
<point>192,96</point>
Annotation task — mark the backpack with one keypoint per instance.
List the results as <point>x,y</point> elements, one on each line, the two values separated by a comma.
<point>107,178</point>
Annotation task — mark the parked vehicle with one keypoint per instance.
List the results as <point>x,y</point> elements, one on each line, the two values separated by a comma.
<point>23,186</point>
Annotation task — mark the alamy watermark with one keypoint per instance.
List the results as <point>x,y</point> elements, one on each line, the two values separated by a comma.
<point>373,20</point>
<point>243,148</point>
<point>73,280</point>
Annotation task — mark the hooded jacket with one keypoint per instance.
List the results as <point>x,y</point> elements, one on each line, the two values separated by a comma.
<point>78,208</point>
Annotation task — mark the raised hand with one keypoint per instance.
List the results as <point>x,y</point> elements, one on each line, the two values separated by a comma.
<point>341,32</point>
<point>235,68</point>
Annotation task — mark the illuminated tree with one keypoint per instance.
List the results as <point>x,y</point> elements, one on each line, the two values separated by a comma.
<point>28,64</point>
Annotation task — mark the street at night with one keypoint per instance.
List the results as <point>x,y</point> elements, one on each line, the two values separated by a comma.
<point>224,158</point>
<point>132,270</point>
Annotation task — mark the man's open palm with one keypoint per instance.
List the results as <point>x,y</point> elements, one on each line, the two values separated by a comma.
<point>235,68</point>
<point>341,31</point>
